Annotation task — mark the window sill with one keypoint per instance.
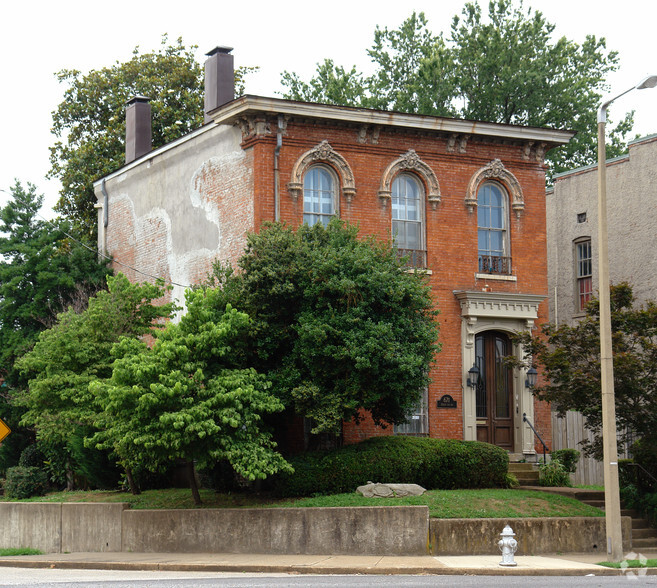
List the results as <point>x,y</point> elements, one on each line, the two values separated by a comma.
<point>419,270</point>
<point>498,277</point>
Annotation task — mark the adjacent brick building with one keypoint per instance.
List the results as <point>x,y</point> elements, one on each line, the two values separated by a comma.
<point>465,199</point>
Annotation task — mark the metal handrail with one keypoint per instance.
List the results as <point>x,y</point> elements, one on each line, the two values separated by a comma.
<point>645,471</point>
<point>545,447</point>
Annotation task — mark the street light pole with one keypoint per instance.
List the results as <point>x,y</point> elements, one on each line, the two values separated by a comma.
<point>610,448</point>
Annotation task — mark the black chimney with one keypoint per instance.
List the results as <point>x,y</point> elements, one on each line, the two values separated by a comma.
<point>219,79</point>
<point>137,128</point>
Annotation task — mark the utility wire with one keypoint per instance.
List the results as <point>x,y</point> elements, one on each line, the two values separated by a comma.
<point>134,269</point>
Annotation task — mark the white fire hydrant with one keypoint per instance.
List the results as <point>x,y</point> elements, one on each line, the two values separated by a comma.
<point>508,546</point>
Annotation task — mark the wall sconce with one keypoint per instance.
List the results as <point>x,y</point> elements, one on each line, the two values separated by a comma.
<point>532,377</point>
<point>473,376</point>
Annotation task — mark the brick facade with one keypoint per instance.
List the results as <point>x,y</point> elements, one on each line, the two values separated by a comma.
<point>177,209</point>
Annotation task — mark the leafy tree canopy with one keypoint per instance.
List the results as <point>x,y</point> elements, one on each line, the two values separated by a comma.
<point>42,272</point>
<point>339,324</point>
<point>89,123</point>
<point>76,351</point>
<point>570,358</point>
<point>506,67</point>
<point>186,399</point>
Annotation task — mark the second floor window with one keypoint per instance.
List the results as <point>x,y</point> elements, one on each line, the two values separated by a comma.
<point>492,215</point>
<point>319,195</point>
<point>584,274</point>
<point>407,218</point>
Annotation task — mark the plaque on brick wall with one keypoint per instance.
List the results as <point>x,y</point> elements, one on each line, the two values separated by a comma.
<point>446,401</point>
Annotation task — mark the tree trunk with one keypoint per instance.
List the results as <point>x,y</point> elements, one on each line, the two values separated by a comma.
<point>191,474</point>
<point>134,489</point>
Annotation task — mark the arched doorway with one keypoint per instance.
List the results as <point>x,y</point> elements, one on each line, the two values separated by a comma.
<point>494,393</point>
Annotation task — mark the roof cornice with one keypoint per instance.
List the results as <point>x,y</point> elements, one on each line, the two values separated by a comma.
<point>248,105</point>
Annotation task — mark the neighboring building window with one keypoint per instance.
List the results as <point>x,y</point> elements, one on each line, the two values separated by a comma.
<point>417,423</point>
<point>492,213</point>
<point>407,198</point>
<point>319,195</point>
<point>584,274</point>
<point>581,217</point>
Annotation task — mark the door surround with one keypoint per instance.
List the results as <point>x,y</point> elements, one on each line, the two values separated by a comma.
<point>508,313</point>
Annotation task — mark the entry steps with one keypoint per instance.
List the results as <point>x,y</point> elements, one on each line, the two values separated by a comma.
<point>527,473</point>
<point>643,535</point>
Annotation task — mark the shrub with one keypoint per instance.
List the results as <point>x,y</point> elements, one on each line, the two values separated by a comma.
<point>645,455</point>
<point>431,463</point>
<point>553,473</point>
<point>24,482</point>
<point>568,458</point>
<point>31,457</point>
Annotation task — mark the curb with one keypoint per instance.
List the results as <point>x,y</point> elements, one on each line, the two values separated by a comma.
<point>313,570</point>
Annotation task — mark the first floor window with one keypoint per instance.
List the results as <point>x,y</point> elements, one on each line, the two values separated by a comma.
<point>319,195</point>
<point>584,274</point>
<point>417,423</point>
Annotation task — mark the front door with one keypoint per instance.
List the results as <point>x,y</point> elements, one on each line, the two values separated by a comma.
<point>494,398</point>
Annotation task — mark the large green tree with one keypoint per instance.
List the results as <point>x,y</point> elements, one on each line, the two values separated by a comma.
<point>505,66</point>
<point>89,123</point>
<point>570,359</point>
<point>188,398</point>
<point>42,272</point>
<point>339,323</point>
<point>70,355</point>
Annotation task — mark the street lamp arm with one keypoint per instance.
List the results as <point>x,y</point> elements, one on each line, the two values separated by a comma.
<point>647,82</point>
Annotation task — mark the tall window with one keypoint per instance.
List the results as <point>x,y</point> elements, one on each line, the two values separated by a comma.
<point>319,195</point>
<point>407,218</point>
<point>584,274</point>
<point>417,423</point>
<point>492,213</point>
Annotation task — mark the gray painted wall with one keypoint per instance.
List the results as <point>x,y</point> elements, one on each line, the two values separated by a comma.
<point>169,216</point>
<point>632,226</point>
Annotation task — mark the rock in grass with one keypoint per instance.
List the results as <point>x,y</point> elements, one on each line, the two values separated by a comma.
<point>374,490</point>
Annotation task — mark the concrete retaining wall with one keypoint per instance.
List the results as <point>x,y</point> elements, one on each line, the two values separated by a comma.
<point>31,524</point>
<point>535,536</point>
<point>396,530</point>
<point>400,530</point>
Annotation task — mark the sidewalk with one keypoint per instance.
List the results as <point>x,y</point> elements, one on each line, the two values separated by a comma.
<point>488,565</point>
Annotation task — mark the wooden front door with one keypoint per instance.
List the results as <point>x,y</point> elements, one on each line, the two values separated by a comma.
<point>494,393</point>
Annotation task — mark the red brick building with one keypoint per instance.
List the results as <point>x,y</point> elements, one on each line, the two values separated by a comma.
<point>465,199</point>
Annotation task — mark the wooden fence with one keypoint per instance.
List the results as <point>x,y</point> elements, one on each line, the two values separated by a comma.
<point>567,433</point>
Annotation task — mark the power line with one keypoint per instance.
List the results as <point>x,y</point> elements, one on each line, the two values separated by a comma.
<point>134,269</point>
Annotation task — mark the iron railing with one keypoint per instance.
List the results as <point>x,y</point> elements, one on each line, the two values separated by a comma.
<point>493,264</point>
<point>413,257</point>
<point>545,447</point>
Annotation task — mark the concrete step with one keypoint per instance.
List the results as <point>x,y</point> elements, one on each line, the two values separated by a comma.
<point>644,543</point>
<point>643,533</point>
<point>596,503</point>
<point>522,467</point>
<point>585,495</point>
<point>640,524</point>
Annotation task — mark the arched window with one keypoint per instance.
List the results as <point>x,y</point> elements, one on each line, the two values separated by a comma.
<point>493,220</point>
<point>319,195</point>
<point>407,197</point>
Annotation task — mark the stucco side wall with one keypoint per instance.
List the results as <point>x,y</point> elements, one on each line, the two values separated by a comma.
<point>176,210</point>
<point>632,225</point>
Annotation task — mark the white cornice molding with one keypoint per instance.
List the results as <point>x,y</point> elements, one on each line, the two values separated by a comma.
<point>499,305</point>
<point>232,112</point>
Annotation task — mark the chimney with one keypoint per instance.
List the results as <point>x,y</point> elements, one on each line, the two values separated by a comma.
<point>137,128</point>
<point>219,79</point>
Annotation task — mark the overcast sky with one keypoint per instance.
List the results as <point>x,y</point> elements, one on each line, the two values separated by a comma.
<point>40,38</point>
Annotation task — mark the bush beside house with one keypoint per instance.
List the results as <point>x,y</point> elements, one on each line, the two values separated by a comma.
<point>431,463</point>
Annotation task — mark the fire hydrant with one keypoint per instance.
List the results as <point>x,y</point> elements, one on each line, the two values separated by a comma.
<point>508,546</point>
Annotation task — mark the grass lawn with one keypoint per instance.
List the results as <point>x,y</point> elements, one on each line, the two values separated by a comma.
<point>19,551</point>
<point>447,504</point>
<point>630,563</point>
